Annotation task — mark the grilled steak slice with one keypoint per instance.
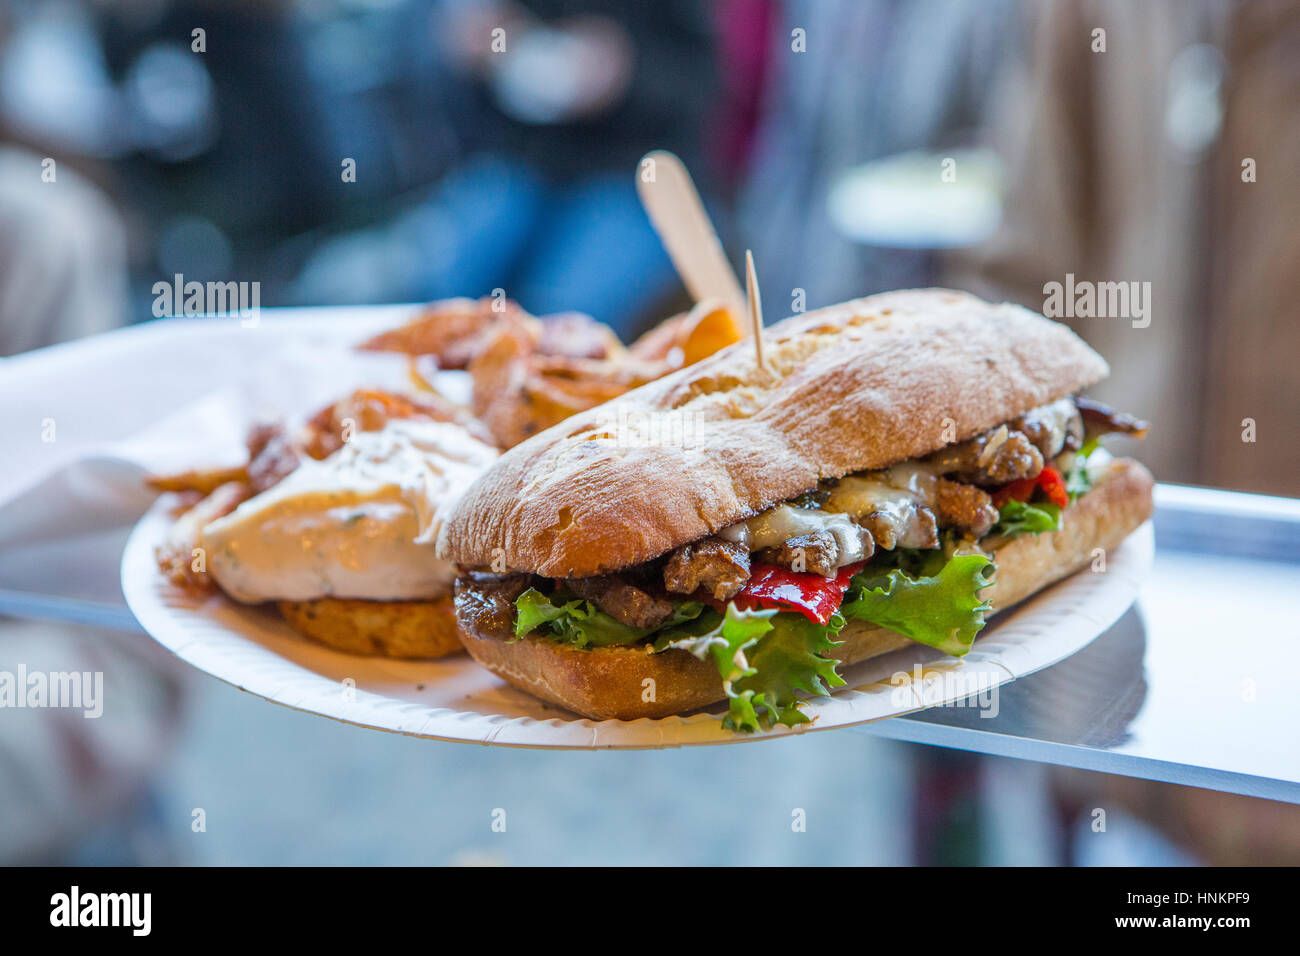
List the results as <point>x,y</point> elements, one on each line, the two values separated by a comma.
<point>994,458</point>
<point>485,603</point>
<point>626,603</point>
<point>1098,419</point>
<point>964,506</point>
<point>918,528</point>
<point>720,567</point>
<point>815,553</point>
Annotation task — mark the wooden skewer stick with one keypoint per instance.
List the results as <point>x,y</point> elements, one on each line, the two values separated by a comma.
<point>755,304</point>
<point>676,211</point>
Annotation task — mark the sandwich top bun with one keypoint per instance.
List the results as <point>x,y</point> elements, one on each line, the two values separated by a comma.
<point>856,386</point>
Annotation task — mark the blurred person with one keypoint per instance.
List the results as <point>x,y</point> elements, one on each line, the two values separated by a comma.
<point>62,255</point>
<point>553,104</point>
<point>63,247</point>
<point>63,276</point>
<point>1167,159</point>
<point>68,772</point>
<point>65,771</point>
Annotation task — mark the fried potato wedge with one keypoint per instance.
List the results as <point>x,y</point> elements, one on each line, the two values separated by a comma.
<point>456,331</point>
<point>577,335</point>
<point>402,629</point>
<point>453,330</point>
<point>519,391</point>
<point>708,328</point>
<point>370,409</point>
<point>686,338</point>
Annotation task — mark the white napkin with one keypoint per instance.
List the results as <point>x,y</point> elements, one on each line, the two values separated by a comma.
<point>165,397</point>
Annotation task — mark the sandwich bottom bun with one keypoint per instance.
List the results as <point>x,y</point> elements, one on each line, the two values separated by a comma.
<point>405,629</point>
<point>606,682</point>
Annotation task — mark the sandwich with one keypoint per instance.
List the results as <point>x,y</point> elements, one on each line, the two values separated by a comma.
<point>334,523</point>
<point>899,469</point>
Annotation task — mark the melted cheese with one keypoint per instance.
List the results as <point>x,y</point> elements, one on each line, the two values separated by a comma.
<point>360,524</point>
<point>778,525</point>
<point>893,494</point>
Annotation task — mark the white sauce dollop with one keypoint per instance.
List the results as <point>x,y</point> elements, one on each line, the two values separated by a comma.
<point>360,524</point>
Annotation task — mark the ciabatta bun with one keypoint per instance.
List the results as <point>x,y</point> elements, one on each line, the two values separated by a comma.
<point>608,682</point>
<point>856,386</point>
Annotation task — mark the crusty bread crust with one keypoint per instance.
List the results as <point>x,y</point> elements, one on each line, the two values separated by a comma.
<point>403,629</point>
<point>857,386</point>
<point>611,682</point>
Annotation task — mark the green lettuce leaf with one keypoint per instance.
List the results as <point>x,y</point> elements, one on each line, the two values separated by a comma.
<point>533,609</point>
<point>707,622</point>
<point>943,610</point>
<point>789,659</point>
<point>582,624</point>
<point>726,643</point>
<point>1020,517</point>
<point>765,657</point>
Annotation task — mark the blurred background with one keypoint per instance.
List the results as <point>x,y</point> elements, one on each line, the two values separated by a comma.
<point>375,151</point>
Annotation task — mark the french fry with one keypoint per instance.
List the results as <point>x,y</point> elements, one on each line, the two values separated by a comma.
<point>204,480</point>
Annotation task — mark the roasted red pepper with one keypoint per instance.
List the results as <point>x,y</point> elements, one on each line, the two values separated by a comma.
<point>1049,480</point>
<point>1053,485</point>
<point>812,595</point>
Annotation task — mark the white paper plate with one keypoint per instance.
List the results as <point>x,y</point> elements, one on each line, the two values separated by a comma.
<point>454,699</point>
